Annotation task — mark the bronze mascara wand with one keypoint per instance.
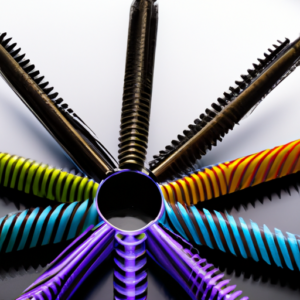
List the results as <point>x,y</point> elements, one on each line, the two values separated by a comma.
<point>138,79</point>
<point>73,135</point>
<point>239,101</point>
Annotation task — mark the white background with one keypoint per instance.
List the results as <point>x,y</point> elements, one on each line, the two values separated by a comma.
<point>203,47</point>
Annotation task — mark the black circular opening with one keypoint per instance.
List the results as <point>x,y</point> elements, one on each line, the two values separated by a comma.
<point>129,200</point>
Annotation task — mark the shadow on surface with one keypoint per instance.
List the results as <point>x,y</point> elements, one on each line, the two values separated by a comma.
<point>161,286</point>
<point>21,200</point>
<point>33,258</point>
<point>249,196</point>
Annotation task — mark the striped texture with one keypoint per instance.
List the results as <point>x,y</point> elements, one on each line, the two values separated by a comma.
<point>212,125</point>
<point>200,279</point>
<point>225,178</point>
<point>138,81</point>
<point>44,181</point>
<point>67,272</point>
<point>221,231</point>
<point>130,274</point>
<point>42,226</point>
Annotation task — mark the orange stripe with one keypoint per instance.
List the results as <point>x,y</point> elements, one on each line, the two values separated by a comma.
<point>271,162</point>
<point>218,181</point>
<point>284,159</point>
<point>235,168</point>
<point>258,165</point>
<point>203,184</point>
<point>237,174</point>
<point>294,163</point>
<point>239,184</point>
<point>182,191</point>
<point>196,189</point>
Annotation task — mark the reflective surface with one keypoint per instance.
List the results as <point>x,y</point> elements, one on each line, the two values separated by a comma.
<point>197,46</point>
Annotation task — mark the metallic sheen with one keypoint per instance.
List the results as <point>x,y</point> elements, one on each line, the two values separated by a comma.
<point>222,117</point>
<point>73,135</point>
<point>138,79</point>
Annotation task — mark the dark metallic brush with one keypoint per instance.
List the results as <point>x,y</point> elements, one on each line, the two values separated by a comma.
<point>73,135</point>
<point>238,102</point>
<point>138,80</point>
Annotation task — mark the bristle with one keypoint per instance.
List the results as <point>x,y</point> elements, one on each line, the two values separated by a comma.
<point>19,58</point>
<point>5,43</point>
<point>217,108</point>
<point>24,63</point>
<point>11,47</point>
<point>34,74</point>
<point>43,85</point>
<point>39,80</point>
<point>30,69</point>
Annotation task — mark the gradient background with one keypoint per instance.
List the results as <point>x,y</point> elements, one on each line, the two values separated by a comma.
<point>203,47</point>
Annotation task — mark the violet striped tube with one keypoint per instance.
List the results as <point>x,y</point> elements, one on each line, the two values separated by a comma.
<point>67,272</point>
<point>200,279</point>
<point>42,226</point>
<point>221,231</point>
<point>130,274</point>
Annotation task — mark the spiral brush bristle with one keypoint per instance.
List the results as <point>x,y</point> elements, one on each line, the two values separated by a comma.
<point>34,74</point>
<point>137,92</point>
<point>37,227</point>
<point>211,115</point>
<point>221,231</point>
<point>59,119</point>
<point>44,181</point>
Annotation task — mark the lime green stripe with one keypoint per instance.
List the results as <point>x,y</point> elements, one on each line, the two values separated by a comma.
<point>8,169</point>
<point>44,181</point>
<point>19,163</point>
<point>23,174</point>
<point>48,172</point>
<point>68,181</point>
<point>29,178</point>
<point>3,164</point>
<point>52,180</point>
<point>81,188</point>
<point>88,189</point>
<point>95,189</point>
<point>36,181</point>
<point>59,184</point>
<point>74,188</point>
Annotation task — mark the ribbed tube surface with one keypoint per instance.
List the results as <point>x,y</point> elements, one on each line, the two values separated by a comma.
<point>228,177</point>
<point>78,141</point>
<point>212,112</point>
<point>44,181</point>
<point>65,274</point>
<point>138,84</point>
<point>42,226</point>
<point>221,231</point>
<point>240,101</point>
<point>130,275</point>
<point>200,279</point>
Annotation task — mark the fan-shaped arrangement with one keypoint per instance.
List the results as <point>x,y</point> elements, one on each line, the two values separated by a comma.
<point>164,198</point>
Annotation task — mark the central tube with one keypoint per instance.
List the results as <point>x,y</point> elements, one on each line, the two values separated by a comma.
<point>130,198</point>
<point>130,202</point>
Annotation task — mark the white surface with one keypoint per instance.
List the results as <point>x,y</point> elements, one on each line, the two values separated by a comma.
<point>203,47</point>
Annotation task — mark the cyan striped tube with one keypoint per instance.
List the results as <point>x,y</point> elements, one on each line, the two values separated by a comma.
<point>42,226</point>
<point>44,181</point>
<point>223,232</point>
